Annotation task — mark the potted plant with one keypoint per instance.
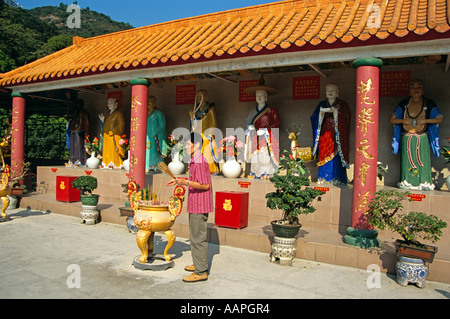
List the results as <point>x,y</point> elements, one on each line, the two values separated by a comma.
<point>445,151</point>
<point>86,184</point>
<point>384,213</point>
<point>293,196</point>
<point>93,149</point>
<point>13,185</point>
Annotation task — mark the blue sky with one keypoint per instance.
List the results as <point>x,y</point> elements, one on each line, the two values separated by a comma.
<point>146,12</point>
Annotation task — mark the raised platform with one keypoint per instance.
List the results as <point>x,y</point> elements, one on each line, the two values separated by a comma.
<point>320,239</point>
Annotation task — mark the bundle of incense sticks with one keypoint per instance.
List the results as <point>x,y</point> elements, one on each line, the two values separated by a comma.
<point>164,168</point>
<point>150,194</point>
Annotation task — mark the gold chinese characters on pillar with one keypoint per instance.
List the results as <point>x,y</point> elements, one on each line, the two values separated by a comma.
<point>366,149</point>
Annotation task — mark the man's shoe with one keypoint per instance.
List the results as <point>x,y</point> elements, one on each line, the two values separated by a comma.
<point>195,278</point>
<point>189,268</point>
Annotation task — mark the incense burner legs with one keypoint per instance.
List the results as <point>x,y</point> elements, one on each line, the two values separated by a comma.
<point>144,240</point>
<point>5,204</point>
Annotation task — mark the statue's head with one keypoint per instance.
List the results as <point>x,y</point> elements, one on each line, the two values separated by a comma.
<point>201,97</point>
<point>261,97</point>
<point>112,104</point>
<point>416,89</point>
<point>151,104</point>
<point>332,91</point>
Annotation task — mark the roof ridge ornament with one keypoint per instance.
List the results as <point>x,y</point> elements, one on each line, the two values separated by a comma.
<point>76,40</point>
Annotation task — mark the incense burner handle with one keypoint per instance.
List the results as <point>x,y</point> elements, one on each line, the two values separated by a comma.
<point>176,202</point>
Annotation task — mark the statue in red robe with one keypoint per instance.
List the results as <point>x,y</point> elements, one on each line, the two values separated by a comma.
<point>262,146</point>
<point>331,132</point>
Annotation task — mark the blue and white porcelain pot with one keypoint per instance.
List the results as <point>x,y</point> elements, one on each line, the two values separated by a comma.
<point>411,270</point>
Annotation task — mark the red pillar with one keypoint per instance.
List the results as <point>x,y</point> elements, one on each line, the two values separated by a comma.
<point>366,149</point>
<point>138,130</point>
<point>17,134</point>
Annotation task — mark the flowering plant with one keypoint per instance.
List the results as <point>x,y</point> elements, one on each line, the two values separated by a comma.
<point>93,146</point>
<point>292,165</point>
<point>174,146</point>
<point>445,151</point>
<point>125,143</point>
<point>231,147</point>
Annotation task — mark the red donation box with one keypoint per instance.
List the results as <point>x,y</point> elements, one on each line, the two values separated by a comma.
<point>64,190</point>
<point>231,209</point>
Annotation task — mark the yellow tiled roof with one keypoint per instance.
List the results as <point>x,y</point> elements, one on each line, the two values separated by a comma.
<point>285,25</point>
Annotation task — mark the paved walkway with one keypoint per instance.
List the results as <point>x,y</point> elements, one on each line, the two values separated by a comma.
<point>41,254</point>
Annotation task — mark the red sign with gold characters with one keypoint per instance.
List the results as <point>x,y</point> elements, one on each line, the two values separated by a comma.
<point>244,184</point>
<point>185,94</point>
<point>323,189</point>
<point>306,88</point>
<point>416,197</point>
<point>244,97</point>
<point>395,83</point>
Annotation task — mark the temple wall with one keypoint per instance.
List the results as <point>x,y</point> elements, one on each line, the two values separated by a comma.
<point>232,113</point>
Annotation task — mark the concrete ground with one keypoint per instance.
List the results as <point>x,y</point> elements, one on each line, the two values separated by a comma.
<point>51,256</point>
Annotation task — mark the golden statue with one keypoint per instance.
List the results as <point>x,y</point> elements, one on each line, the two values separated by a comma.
<point>113,129</point>
<point>5,189</point>
<point>5,143</point>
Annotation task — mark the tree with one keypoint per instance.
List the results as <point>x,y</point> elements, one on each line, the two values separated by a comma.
<point>6,63</point>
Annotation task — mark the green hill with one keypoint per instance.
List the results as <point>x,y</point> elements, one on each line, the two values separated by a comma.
<point>27,35</point>
<point>92,23</point>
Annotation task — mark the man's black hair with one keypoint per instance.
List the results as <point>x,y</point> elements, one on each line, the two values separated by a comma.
<point>195,138</point>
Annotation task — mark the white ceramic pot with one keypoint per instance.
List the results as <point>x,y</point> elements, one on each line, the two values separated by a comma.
<point>447,182</point>
<point>126,163</point>
<point>231,169</point>
<point>89,215</point>
<point>93,161</point>
<point>176,166</point>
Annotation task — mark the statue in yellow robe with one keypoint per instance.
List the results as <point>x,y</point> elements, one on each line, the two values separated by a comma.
<point>113,129</point>
<point>203,117</point>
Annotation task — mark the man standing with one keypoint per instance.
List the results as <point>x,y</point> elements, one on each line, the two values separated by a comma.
<point>199,205</point>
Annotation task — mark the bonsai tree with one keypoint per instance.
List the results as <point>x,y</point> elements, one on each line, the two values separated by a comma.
<point>14,181</point>
<point>86,184</point>
<point>293,195</point>
<point>384,212</point>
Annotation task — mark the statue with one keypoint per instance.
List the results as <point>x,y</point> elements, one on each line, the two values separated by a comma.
<point>156,136</point>
<point>203,117</point>
<point>5,143</point>
<point>330,122</point>
<point>113,128</point>
<point>5,190</point>
<point>79,128</point>
<point>416,122</point>
<point>261,146</point>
